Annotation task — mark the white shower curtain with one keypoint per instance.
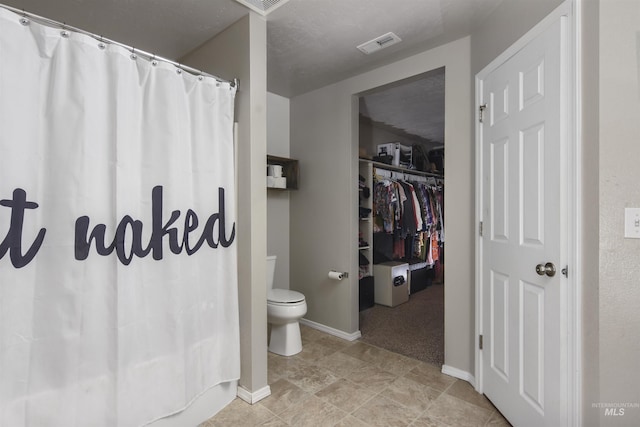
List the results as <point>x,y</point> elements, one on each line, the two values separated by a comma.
<point>118,278</point>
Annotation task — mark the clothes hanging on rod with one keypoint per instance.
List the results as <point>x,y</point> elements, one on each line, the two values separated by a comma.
<point>409,208</point>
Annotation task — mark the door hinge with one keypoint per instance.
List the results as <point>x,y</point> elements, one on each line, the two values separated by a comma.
<point>480,342</point>
<point>481,112</point>
<point>480,228</point>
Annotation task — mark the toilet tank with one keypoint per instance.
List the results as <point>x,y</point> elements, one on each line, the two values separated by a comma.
<point>271,270</point>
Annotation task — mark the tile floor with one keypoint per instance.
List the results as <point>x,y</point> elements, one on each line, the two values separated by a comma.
<point>334,382</point>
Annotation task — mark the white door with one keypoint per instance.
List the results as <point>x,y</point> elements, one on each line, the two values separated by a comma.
<point>523,149</point>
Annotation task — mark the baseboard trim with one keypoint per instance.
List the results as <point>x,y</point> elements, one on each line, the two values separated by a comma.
<point>253,397</point>
<point>331,331</point>
<point>459,373</point>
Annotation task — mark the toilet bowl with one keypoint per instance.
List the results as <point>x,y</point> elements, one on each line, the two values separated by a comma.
<point>284,310</point>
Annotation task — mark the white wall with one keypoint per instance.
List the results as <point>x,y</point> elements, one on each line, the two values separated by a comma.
<point>590,211</point>
<point>324,225</point>
<point>278,201</point>
<point>619,156</point>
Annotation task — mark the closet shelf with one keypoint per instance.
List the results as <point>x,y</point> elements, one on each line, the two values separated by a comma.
<point>399,169</point>
<point>365,237</point>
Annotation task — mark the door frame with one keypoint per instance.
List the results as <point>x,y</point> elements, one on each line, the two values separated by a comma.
<point>572,306</point>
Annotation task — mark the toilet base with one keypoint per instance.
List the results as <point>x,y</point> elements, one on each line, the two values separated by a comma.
<point>285,339</point>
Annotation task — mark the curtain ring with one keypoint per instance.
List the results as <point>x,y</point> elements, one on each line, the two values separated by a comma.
<point>153,60</point>
<point>179,69</point>
<point>24,21</point>
<point>64,33</point>
<point>133,54</point>
<point>101,45</point>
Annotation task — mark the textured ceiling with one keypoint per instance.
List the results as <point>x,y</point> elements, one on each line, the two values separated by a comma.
<point>310,43</point>
<point>413,108</point>
<point>314,41</point>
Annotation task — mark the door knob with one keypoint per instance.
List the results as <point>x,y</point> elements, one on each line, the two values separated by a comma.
<point>549,269</point>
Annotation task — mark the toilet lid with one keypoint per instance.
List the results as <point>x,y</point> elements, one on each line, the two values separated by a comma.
<point>284,295</point>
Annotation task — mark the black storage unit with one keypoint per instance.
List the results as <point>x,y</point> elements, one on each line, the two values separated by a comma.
<point>366,293</point>
<point>421,278</point>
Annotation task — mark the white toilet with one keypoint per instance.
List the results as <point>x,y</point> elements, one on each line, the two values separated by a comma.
<point>284,309</point>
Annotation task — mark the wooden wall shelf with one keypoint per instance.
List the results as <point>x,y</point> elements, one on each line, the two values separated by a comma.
<point>290,170</point>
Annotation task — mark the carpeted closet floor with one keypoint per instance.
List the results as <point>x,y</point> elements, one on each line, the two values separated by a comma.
<point>414,329</point>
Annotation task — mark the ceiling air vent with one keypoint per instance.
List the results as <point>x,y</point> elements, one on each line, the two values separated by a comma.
<point>378,43</point>
<point>263,7</point>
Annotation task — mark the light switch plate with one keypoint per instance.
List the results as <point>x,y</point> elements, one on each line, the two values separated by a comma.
<point>632,223</point>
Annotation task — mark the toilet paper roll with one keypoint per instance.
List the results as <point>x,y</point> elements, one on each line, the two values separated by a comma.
<point>274,171</point>
<point>335,275</point>
<point>279,182</point>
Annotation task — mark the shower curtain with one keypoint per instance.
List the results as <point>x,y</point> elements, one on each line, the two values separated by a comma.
<point>118,278</point>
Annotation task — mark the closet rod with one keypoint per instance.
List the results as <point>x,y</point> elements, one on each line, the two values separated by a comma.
<point>149,56</point>
<point>381,165</point>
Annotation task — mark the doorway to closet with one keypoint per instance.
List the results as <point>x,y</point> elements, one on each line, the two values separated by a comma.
<point>401,216</point>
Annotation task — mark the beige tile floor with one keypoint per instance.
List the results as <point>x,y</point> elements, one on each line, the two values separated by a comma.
<point>334,382</point>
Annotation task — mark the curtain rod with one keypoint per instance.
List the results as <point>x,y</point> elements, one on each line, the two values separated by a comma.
<point>149,56</point>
